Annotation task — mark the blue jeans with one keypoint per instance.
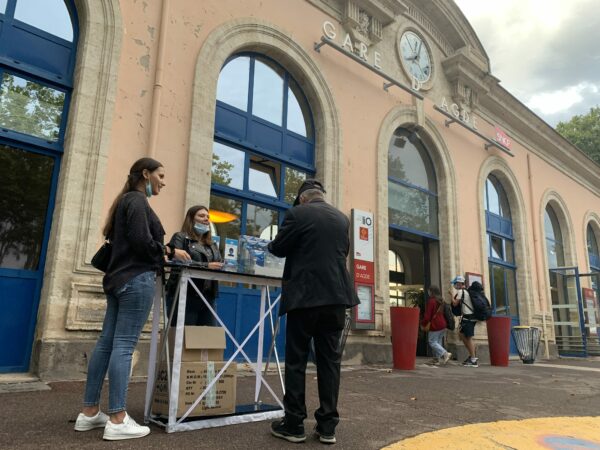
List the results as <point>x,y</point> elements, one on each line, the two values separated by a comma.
<point>435,339</point>
<point>127,311</point>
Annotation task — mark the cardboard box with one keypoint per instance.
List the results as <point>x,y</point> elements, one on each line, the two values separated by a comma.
<point>199,344</point>
<point>194,377</point>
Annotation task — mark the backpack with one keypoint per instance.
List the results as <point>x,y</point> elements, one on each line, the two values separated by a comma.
<point>482,309</point>
<point>449,316</point>
<point>457,310</point>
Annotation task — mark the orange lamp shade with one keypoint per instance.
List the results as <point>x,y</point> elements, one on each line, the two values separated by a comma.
<point>221,216</point>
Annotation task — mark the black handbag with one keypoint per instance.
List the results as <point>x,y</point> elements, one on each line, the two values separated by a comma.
<point>102,257</point>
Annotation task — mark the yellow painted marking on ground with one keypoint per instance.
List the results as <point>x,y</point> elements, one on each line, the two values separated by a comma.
<point>528,434</point>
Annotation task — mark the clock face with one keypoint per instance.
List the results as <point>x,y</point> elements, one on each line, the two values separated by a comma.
<point>415,56</point>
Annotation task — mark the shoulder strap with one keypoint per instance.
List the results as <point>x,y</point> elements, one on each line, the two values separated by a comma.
<point>466,304</point>
<point>440,307</point>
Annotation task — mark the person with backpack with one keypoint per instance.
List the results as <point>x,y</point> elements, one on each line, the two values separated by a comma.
<point>434,322</point>
<point>466,330</point>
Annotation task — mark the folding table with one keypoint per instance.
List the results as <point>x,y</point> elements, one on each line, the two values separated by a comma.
<point>244,413</point>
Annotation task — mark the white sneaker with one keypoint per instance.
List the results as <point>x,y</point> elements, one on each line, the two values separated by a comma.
<point>129,429</point>
<point>446,357</point>
<point>85,423</point>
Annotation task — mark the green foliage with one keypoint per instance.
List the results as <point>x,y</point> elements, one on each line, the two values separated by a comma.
<point>584,132</point>
<point>24,195</point>
<point>30,108</point>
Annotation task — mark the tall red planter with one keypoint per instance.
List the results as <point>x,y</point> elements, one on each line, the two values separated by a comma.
<point>498,330</point>
<point>405,331</point>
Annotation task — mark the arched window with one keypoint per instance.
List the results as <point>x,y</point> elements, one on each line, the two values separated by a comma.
<point>38,41</point>
<point>412,187</point>
<point>264,142</point>
<point>264,148</point>
<point>500,246</point>
<point>592,248</point>
<point>554,241</point>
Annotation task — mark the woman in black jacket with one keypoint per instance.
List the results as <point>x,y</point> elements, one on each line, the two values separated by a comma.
<point>129,283</point>
<point>196,239</point>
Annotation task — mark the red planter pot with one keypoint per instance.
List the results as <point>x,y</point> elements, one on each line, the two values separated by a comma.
<point>405,331</point>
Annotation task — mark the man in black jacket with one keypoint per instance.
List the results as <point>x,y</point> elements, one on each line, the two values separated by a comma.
<point>316,290</point>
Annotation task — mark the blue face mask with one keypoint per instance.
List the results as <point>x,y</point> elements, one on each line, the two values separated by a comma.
<point>148,189</point>
<point>201,229</point>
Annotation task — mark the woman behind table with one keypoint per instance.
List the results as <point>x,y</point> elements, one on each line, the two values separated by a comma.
<point>137,255</point>
<point>434,314</point>
<point>195,238</point>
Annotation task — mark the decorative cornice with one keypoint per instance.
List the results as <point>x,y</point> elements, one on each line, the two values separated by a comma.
<point>421,19</point>
<point>468,80</point>
<point>540,138</point>
<point>385,11</point>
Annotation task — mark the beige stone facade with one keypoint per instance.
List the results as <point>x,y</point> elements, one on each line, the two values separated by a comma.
<point>145,84</point>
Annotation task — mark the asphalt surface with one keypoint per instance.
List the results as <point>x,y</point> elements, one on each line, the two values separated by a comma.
<point>378,407</point>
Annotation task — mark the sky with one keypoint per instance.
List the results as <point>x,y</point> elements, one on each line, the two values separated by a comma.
<point>545,52</point>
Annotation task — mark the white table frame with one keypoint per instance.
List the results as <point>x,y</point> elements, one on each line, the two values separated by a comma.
<point>266,310</point>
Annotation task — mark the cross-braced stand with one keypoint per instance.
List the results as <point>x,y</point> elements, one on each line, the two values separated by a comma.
<point>244,413</point>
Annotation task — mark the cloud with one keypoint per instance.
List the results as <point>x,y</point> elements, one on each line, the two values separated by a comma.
<point>545,52</point>
<point>553,102</point>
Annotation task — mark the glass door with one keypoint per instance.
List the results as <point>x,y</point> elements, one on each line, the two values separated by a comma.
<point>26,199</point>
<point>567,311</point>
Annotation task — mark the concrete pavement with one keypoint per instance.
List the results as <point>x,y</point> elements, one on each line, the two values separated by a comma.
<point>380,407</point>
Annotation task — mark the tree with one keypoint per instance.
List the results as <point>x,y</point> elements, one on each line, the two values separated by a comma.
<point>584,132</point>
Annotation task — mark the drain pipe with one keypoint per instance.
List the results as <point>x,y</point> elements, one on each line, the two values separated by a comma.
<point>158,76</point>
<point>536,258</point>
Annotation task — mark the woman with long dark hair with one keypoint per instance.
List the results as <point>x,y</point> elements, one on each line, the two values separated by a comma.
<point>129,283</point>
<point>196,239</point>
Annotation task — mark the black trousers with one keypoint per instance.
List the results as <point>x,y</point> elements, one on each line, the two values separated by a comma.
<point>324,324</point>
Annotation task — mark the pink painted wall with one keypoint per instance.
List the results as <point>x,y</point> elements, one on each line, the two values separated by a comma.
<point>362,106</point>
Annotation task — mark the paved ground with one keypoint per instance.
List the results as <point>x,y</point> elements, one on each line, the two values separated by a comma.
<point>379,408</point>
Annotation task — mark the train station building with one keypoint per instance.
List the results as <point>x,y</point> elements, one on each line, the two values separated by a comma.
<point>390,103</point>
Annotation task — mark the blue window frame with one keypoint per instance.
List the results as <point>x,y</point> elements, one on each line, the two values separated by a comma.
<point>40,66</point>
<point>500,250</point>
<point>592,247</point>
<point>554,241</point>
<point>260,107</point>
<point>412,185</point>
<point>38,42</point>
<point>263,149</point>
<point>264,139</point>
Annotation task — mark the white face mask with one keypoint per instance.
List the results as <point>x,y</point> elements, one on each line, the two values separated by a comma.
<point>201,228</point>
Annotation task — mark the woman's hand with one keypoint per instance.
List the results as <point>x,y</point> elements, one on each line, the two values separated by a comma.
<point>215,265</point>
<point>181,255</point>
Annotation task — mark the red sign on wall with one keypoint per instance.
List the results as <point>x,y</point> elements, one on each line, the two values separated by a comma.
<point>502,138</point>
<point>364,272</point>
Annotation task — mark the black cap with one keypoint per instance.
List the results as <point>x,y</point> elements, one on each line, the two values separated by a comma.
<point>308,184</point>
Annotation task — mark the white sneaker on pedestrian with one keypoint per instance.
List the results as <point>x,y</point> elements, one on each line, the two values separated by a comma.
<point>129,429</point>
<point>85,423</point>
<point>446,357</point>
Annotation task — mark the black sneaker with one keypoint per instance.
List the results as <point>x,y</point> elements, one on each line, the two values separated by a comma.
<point>471,363</point>
<point>325,438</point>
<point>282,430</point>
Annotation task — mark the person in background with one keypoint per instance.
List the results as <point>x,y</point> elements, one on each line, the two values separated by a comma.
<point>466,330</point>
<point>316,290</point>
<point>434,317</point>
<point>137,255</point>
<point>196,239</point>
